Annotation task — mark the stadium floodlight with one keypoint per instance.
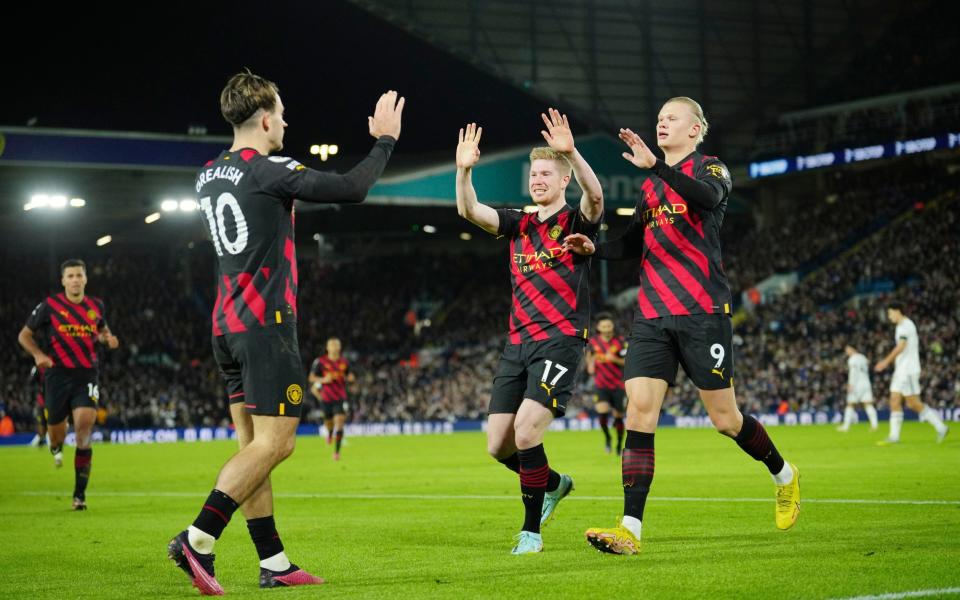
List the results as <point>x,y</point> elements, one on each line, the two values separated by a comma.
<point>103,241</point>
<point>466,236</point>
<point>429,229</point>
<point>169,205</point>
<point>40,200</point>
<point>152,218</point>
<point>188,205</point>
<point>333,149</point>
<point>78,202</point>
<point>58,201</point>
<point>626,212</point>
<point>315,149</point>
<point>324,150</point>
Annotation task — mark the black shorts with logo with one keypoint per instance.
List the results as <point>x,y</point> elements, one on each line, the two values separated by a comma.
<point>262,369</point>
<point>67,389</point>
<point>542,371</point>
<point>612,397</point>
<point>702,344</point>
<point>333,408</point>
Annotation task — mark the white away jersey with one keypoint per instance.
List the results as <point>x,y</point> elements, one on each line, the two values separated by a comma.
<point>859,368</point>
<point>908,361</point>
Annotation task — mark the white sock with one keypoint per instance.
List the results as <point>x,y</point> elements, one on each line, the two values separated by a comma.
<point>871,414</point>
<point>277,562</point>
<point>930,416</point>
<point>848,417</point>
<point>200,540</point>
<point>896,422</point>
<point>785,475</point>
<point>632,524</point>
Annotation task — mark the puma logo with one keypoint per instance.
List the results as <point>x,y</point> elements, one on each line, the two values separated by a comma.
<point>718,372</point>
<point>549,388</point>
<point>628,483</point>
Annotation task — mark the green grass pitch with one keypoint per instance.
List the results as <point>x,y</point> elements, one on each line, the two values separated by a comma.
<point>433,517</point>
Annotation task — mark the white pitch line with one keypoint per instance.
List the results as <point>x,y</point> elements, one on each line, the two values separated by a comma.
<point>358,496</point>
<point>913,594</point>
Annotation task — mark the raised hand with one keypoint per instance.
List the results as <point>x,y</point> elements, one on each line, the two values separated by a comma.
<point>641,156</point>
<point>386,116</point>
<point>468,149</point>
<point>579,244</point>
<point>557,134</point>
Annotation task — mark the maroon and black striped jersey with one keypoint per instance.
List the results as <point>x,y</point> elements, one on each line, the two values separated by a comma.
<point>676,234</point>
<point>247,200</point>
<point>607,375</point>
<point>551,287</point>
<point>72,329</point>
<point>336,388</point>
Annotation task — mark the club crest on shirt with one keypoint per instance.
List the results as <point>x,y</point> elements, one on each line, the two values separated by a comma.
<point>91,314</point>
<point>718,171</point>
<point>555,232</point>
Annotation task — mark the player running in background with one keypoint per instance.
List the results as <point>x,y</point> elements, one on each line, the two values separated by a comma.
<point>246,199</point>
<point>39,409</point>
<point>550,314</point>
<point>74,322</point>
<point>683,316</point>
<point>859,390</point>
<point>605,363</point>
<point>329,376</point>
<point>905,382</point>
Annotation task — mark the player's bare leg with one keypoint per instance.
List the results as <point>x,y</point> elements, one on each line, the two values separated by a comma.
<point>58,433</point>
<point>258,511</point>
<point>83,420</point>
<point>339,421</point>
<point>328,424</point>
<point>752,438</point>
<point>896,418</point>
<point>929,415</point>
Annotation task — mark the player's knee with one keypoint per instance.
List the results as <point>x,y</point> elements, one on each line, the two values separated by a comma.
<point>527,437</point>
<point>727,423</point>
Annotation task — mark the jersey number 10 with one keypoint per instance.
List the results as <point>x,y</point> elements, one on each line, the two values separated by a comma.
<point>218,229</point>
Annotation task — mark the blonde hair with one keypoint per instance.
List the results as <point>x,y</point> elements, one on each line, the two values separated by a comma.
<point>697,111</point>
<point>548,153</point>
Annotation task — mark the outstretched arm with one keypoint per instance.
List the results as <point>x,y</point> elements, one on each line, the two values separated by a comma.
<point>468,207</point>
<point>352,187</point>
<point>559,136</point>
<point>629,245</point>
<point>703,194</point>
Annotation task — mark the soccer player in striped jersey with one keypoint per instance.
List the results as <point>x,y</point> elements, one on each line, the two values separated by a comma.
<point>550,314</point>
<point>859,390</point>
<point>247,203</point>
<point>75,323</point>
<point>329,376</point>
<point>905,382</point>
<point>605,363</point>
<point>683,317</point>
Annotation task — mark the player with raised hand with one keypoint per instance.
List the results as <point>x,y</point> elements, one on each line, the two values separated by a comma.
<point>683,315</point>
<point>247,201</point>
<point>550,314</point>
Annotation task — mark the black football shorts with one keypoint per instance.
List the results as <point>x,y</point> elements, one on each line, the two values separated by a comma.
<point>702,344</point>
<point>543,371</point>
<point>262,369</point>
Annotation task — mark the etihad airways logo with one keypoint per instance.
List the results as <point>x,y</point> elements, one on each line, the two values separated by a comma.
<point>664,214</point>
<point>77,330</point>
<point>540,260</point>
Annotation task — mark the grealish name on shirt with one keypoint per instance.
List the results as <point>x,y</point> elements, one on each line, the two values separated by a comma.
<point>232,173</point>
